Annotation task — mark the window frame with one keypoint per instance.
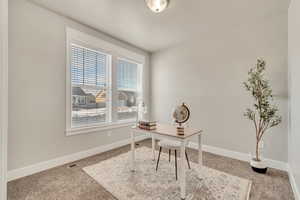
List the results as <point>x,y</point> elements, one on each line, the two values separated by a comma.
<point>108,80</point>
<point>75,37</point>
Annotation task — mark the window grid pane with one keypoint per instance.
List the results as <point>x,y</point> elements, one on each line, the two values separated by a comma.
<point>127,75</point>
<point>127,84</point>
<point>88,69</point>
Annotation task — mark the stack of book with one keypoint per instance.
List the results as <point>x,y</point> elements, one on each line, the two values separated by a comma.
<point>147,125</point>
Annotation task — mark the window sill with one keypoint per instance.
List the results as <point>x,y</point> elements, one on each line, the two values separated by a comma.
<point>91,129</point>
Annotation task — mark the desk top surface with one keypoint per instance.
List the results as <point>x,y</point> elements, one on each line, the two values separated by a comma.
<point>171,130</point>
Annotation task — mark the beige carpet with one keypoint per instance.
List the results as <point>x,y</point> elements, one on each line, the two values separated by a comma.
<point>72,183</point>
<point>206,184</point>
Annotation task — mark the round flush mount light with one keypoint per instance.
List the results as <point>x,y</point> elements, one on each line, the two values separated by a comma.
<point>157,6</point>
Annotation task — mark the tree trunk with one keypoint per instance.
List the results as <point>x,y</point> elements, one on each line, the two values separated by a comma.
<point>257,150</point>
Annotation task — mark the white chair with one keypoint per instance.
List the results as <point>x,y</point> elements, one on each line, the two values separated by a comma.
<point>171,145</point>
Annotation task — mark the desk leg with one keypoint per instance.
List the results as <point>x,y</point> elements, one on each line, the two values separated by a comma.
<point>200,159</point>
<point>153,146</point>
<point>182,171</point>
<point>132,151</point>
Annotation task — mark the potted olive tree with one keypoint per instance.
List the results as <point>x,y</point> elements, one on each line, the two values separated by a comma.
<point>263,114</point>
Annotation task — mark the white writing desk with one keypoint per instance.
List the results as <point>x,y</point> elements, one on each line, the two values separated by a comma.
<point>169,132</point>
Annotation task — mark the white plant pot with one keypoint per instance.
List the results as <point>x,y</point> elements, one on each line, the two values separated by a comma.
<point>259,166</point>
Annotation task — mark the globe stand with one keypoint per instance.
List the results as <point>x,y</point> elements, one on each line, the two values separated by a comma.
<point>180,129</point>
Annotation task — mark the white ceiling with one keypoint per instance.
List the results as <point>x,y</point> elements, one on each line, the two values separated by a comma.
<point>133,22</point>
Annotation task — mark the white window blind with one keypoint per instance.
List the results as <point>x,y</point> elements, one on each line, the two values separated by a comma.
<point>127,75</point>
<point>88,67</point>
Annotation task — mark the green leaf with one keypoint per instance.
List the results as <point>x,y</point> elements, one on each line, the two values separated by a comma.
<point>259,88</point>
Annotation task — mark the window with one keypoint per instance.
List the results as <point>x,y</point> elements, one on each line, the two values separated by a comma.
<point>127,84</point>
<point>103,87</point>
<point>89,81</point>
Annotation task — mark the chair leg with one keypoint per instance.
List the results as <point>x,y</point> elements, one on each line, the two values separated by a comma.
<point>176,163</point>
<point>187,159</point>
<point>158,158</point>
<point>169,155</point>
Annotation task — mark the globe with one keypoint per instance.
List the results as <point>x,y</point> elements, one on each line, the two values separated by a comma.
<point>181,114</point>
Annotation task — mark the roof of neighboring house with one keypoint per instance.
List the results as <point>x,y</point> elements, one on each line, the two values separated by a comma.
<point>101,96</point>
<point>78,91</point>
<point>91,91</point>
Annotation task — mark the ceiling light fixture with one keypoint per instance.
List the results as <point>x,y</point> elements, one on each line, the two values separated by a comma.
<point>157,6</point>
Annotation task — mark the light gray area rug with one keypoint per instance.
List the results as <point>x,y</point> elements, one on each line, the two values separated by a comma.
<point>145,183</point>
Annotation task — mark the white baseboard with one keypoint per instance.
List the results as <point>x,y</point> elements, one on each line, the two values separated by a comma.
<point>32,169</point>
<point>239,156</point>
<point>293,184</point>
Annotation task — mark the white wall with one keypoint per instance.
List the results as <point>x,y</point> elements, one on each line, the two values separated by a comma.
<point>3,98</point>
<point>207,72</point>
<point>37,59</point>
<point>294,72</point>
